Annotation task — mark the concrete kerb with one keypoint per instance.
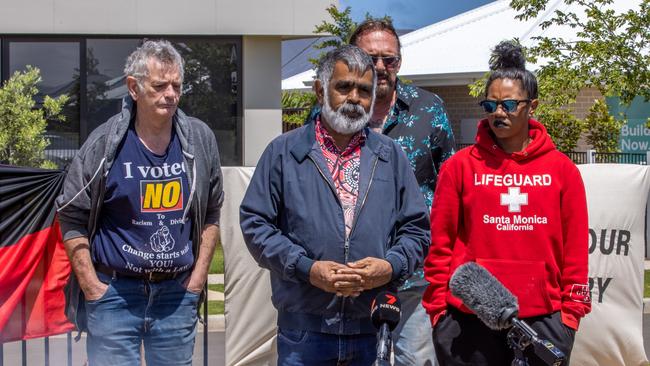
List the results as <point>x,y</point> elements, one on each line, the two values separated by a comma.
<point>216,323</point>
<point>215,278</point>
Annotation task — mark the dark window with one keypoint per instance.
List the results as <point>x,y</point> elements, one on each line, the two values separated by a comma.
<point>93,69</point>
<point>211,93</point>
<point>105,86</point>
<point>58,62</point>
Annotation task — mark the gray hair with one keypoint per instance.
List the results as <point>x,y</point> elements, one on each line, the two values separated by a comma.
<point>353,56</point>
<point>161,50</point>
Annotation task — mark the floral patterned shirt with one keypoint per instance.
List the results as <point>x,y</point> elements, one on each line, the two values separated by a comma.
<point>419,123</point>
<point>344,168</point>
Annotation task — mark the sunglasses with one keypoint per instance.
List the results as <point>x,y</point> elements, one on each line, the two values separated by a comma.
<point>509,105</point>
<point>389,61</point>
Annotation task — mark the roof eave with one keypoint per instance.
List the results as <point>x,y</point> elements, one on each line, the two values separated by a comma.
<point>449,79</point>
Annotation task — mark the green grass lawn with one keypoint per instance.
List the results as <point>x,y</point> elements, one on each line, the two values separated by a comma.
<point>214,307</point>
<point>646,287</point>
<point>216,287</point>
<point>216,266</point>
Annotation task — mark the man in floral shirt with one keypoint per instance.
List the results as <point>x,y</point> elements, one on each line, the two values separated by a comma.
<point>417,120</point>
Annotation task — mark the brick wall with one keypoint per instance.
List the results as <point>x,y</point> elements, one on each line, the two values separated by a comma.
<point>460,105</point>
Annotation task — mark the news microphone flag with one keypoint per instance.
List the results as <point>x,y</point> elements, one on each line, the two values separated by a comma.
<point>385,309</point>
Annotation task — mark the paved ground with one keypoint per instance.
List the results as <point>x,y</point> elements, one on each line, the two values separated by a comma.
<point>216,349</point>
<point>58,351</point>
<point>646,333</point>
<point>12,352</point>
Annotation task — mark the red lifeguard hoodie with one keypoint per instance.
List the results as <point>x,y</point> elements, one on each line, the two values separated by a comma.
<point>523,216</point>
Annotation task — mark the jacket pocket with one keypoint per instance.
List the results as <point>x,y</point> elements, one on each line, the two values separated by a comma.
<point>526,280</point>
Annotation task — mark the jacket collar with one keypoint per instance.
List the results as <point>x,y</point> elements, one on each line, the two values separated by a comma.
<point>307,137</point>
<point>404,97</point>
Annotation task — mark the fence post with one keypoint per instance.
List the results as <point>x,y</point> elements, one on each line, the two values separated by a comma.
<point>591,156</point>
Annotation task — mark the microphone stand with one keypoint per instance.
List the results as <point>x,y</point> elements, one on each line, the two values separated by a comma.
<point>520,337</point>
<point>384,342</point>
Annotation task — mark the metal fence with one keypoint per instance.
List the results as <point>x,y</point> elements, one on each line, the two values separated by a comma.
<point>63,152</point>
<point>594,157</point>
<point>33,345</point>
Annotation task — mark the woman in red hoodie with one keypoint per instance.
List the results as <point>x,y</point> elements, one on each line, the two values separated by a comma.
<point>515,205</point>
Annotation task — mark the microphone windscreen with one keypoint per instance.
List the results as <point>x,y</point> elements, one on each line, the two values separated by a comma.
<point>482,293</point>
<point>385,308</point>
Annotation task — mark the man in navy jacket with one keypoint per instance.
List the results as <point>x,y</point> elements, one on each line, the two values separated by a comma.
<point>335,213</point>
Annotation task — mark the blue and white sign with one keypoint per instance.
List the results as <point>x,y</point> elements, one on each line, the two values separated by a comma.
<point>635,137</point>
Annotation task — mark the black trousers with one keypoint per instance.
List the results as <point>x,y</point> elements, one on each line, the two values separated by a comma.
<point>462,339</point>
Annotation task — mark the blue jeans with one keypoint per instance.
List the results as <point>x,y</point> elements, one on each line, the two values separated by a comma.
<point>305,348</point>
<point>162,316</point>
<point>413,344</point>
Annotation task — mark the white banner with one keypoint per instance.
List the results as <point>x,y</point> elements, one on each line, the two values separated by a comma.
<point>250,316</point>
<point>612,333</point>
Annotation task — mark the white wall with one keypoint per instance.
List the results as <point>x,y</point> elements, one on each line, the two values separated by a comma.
<point>262,78</point>
<point>191,17</point>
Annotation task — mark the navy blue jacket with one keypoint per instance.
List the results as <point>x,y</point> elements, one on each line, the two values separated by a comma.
<point>291,216</point>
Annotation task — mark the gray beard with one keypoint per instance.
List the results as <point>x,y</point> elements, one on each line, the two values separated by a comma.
<point>342,123</point>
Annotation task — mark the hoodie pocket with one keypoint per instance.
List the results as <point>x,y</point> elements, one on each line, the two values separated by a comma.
<point>526,280</point>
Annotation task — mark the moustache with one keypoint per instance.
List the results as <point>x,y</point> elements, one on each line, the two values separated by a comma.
<point>382,74</point>
<point>351,109</point>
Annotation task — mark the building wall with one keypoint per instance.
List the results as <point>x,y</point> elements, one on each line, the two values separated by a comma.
<point>262,78</point>
<point>461,106</point>
<point>262,24</point>
<point>193,17</point>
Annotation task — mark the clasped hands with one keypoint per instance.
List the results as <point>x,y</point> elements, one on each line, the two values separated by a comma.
<point>352,278</point>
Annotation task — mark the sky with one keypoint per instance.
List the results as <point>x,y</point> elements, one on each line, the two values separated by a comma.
<point>410,14</point>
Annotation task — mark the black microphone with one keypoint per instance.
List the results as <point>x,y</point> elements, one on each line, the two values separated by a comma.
<point>484,295</point>
<point>385,313</point>
<point>497,307</point>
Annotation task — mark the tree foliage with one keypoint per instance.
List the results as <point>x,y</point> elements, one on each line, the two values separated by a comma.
<point>340,30</point>
<point>22,123</point>
<point>611,53</point>
<point>296,106</point>
<point>603,130</point>
<point>612,50</point>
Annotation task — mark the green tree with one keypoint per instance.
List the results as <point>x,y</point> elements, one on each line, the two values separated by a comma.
<point>610,54</point>
<point>296,106</point>
<point>340,30</point>
<point>22,124</point>
<point>603,130</point>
